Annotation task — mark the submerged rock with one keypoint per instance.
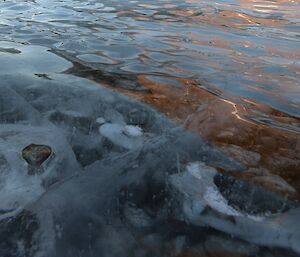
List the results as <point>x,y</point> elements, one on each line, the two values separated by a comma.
<point>35,156</point>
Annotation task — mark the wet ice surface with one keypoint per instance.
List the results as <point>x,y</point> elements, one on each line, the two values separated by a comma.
<point>123,180</point>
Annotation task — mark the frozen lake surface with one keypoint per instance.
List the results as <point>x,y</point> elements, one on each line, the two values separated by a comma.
<point>138,128</point>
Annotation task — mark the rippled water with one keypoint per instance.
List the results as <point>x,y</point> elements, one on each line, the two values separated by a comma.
<point>247,48</point>
<point>228,71</point>
<point>169,54</point>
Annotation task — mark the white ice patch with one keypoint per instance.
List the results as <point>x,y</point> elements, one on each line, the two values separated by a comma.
<point>118,134</point>
<point>201,171</point>
<point>100,120</point>
<point>215,200</point>
<point>212,197</point>
<point>134,131</point>
<point>197,184</point>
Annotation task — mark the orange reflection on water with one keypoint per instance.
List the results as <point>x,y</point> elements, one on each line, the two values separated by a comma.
<point>270,154</point>
<point>288,7</point>
<point>259,61</point>
<point>236,19</point>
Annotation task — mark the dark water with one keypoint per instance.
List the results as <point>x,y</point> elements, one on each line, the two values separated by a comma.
<point>210,166</point>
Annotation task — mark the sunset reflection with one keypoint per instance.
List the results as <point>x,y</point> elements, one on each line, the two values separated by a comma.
<point>237,87</point>
<point>150,128</point>
<point>269,151</point>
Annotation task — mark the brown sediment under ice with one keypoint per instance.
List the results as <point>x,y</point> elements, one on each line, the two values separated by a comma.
<point>35,155</point>
<point>261,138</point>
<point>270,153</point>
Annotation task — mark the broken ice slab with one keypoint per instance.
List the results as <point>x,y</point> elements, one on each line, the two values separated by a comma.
<point>18,188</point>
<point>26,59</point>
<point>123,188</point>
<point>227,204</point>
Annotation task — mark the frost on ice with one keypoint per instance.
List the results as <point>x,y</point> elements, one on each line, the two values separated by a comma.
<point>127,136</point>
